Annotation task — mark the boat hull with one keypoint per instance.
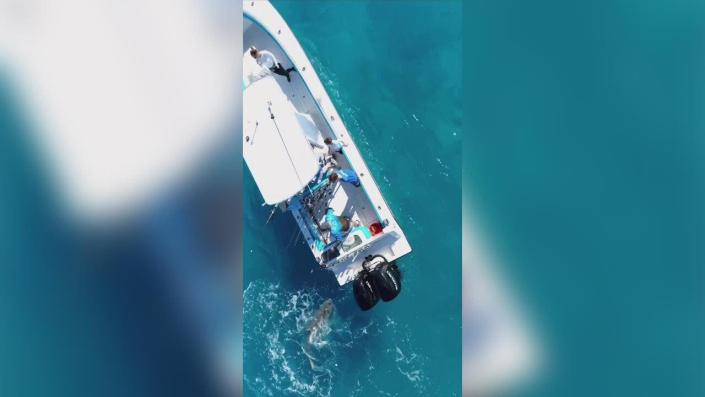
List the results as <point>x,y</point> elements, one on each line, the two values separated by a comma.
<point>266,29</point>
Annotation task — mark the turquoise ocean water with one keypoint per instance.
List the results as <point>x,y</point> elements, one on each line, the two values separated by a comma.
<point>584,155</point>
<point>79,319</point>
<point>393,70</point>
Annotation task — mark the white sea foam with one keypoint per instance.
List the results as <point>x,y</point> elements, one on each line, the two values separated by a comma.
<point>281,361</point>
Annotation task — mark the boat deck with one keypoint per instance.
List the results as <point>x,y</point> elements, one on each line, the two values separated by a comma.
<point>345,199</point>
<point>306,95</point>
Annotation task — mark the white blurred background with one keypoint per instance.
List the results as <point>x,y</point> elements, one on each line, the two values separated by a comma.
<point>500,349</point>
<point>131,111</point>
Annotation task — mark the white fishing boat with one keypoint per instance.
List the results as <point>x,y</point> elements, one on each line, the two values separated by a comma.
<point>349,227</point>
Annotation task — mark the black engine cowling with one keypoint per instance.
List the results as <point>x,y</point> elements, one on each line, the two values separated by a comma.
<point>386,278</point>
<point>364,291</point>
<point>378,279</point>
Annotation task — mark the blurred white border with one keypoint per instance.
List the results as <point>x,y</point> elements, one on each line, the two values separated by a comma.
<point>499,349</point>
<point>126,96</point>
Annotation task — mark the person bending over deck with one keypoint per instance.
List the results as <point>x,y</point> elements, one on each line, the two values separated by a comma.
<point>338,225</point>
<point>327,165</point>
<point>335,145</point>
<point>345,175</point>
<point>267,60</point>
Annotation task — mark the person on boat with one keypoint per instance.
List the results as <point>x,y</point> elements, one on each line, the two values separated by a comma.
<point>326,165</point>
<point>346,175</point>
<point>337,225</point>
<point>267,60</point>
<point>335,145</point>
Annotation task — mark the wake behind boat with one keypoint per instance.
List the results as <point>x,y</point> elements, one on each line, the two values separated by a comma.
<point>304,161</point>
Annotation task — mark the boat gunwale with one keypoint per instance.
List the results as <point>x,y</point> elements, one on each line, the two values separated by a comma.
<point>390,222</point>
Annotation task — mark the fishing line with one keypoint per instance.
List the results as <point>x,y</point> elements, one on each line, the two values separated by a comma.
<point>291,160</point>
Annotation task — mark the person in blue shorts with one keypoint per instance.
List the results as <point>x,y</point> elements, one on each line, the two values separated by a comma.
<point>338,225</point>
<point>345,175</point>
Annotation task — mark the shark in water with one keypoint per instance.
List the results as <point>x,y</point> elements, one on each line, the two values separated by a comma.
<point>318,327</point>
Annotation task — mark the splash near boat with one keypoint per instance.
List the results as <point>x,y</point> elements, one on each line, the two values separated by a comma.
<point>304,161</point>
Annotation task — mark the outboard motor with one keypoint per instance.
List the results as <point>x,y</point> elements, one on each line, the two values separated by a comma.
<point>364,290</point>
<point>385,276</point>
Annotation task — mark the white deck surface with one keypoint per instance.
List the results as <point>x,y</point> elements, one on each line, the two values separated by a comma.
<point>265,29</point>
<point>276,149</point>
